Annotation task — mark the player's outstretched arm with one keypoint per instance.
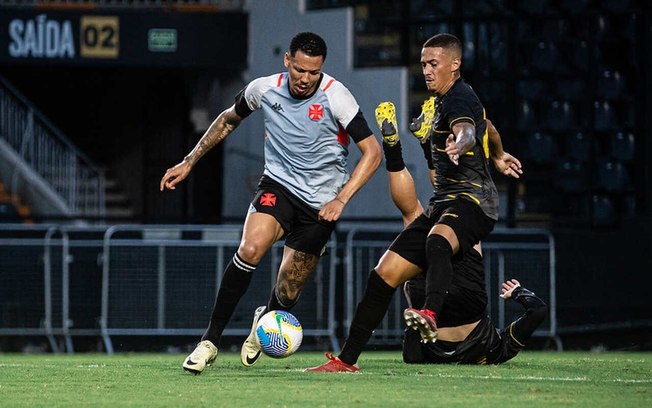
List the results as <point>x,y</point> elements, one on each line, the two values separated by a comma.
<point>461,141</point>
<point>504,162</point>
<point>221,127</point>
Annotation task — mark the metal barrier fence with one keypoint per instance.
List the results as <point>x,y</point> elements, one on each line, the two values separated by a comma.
<point>50,278</point>
<point>66,281</point>
<point>156,282</point>
<point>525,254</point>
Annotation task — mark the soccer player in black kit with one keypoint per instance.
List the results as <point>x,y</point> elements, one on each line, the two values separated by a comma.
<point>462,211</point>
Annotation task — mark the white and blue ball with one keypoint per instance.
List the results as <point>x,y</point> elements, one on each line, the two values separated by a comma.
<point>279,334</point>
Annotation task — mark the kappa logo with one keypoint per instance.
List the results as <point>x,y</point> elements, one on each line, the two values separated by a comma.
<point>316,112</point>
<point>268,200</point>
<point>277,107</point>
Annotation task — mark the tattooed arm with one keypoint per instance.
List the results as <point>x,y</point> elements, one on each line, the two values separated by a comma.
<point>221,127</point>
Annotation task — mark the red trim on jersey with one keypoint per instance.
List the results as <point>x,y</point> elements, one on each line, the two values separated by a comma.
<point>280,80</point>
<point>342,136</point>
<point>329,84</point>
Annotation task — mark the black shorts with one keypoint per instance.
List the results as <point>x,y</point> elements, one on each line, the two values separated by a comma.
<point>304,231</point>
<point>467,219</point>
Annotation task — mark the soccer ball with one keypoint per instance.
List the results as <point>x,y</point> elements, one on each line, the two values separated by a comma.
<point>279,334</point>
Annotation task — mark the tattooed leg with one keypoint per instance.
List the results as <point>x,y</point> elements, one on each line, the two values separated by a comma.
<point>295,270</point>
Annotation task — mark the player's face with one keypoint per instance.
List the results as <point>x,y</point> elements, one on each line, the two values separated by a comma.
<point>305,71</point>
<point>439,67</point>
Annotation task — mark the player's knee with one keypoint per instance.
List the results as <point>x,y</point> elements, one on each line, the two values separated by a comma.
<point>251,252</point>
<point>437,247</point>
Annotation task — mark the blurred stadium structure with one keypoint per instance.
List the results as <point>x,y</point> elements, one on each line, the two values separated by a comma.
<point>97,98</point>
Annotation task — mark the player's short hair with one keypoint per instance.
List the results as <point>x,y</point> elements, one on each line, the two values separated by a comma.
<point>310,44</point>
<point>446,41</point>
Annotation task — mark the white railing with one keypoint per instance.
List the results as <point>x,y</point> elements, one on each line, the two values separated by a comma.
<point>47,152</point>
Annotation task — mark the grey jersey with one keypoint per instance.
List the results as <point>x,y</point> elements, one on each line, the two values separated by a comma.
<point>306,144</point>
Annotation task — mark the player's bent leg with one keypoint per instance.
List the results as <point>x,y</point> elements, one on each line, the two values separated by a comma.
<point>250,351</point>
<point>204,355</point>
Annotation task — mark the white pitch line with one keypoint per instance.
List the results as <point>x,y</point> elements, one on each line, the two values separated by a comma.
<point>538,378</point>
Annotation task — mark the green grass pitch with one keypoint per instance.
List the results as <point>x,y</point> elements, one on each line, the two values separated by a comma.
<point>532,379</point>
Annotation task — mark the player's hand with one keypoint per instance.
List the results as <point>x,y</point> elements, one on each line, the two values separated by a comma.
<point>508,287</point>
<point>175,175</point>
<point>332,210</point>
<point>508,165</point>
<point>452,149</point>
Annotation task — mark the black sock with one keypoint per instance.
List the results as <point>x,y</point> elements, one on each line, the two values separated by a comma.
<point>368,315</point>
<point>275,304</point>
<point>440,271</point>
<point>393,157</point>
<point>235,283</point>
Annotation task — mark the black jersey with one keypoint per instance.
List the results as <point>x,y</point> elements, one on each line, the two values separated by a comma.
<point>470,180</point>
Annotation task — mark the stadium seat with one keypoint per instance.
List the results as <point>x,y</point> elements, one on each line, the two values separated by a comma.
<point>579,55</point>
<point>572,177</point>
<point>533,6</point>
<point>605,117</point>
<point>611,84</point>
<point>527,117</point>
<point>623,146</point>
<point>533,90</point>
<point>570,89</point>
<point>545,58</point>
<point>560,116</point>
<point>629,205</point>
<point>542,148</point>
<point>575,6</point>
<point>604,211</point>
<point>617,6</point>
<point>602,27</point>
<point>578,147</point>
<point>613,176</point>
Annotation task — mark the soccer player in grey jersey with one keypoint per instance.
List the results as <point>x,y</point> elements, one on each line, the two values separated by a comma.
<point>309,117</point>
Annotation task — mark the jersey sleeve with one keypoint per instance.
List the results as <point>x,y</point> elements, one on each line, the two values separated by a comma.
<point>358,128</point>
<point>249,99</point>
<point>458,111</point>
<point>344,105</point>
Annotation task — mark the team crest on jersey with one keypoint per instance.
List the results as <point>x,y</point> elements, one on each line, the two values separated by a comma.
<point>316,112</point>
<point>268,200</point>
